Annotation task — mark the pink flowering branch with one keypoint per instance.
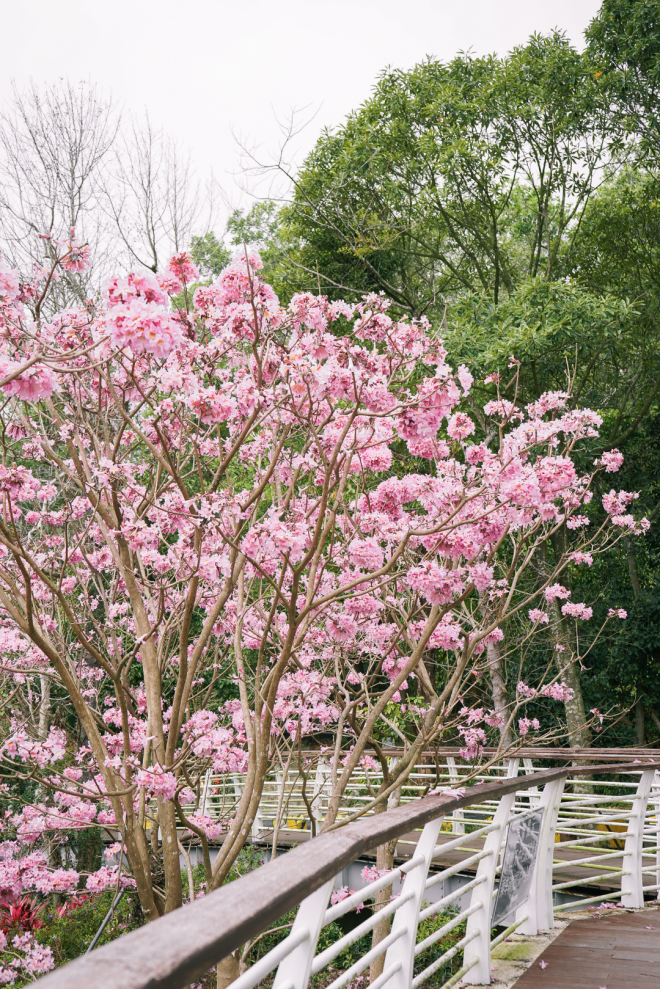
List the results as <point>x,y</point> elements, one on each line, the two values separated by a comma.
<point>208,497</point>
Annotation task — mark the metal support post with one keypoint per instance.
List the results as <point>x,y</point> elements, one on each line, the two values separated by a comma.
<point>656,804</point>
<point>407,916</point>
<point>206,791</point>
<point>534,796</point>
<point>482,897</point>
<point>539,907</point>
<point>455,778</point>
<point>294,971</point>
<point>632,892</point>
<point>321,791</point>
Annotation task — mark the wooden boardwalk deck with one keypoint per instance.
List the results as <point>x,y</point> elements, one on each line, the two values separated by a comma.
<point>618,950</point>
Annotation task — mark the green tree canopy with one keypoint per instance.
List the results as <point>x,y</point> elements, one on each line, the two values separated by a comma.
<point>466,176</point>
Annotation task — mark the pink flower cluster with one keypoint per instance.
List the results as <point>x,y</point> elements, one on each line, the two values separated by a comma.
<point>366,553</point>
<point>182,268</point>
<point>76,255</point>
<point>340,894</point>
<point>28,959</point>
<point>212,829</point>
<point>574,609</point>
<point>579,557</point>
<point>474,739</point>
<point>108,878</point>
<point>556,591</point>
<point>9,284</point>
<point>370,873</point>
<point>30,385</point>
<point>558,691</point>
<point>41,754</point>
<point>157,782</point>
<point>438,584</point>
<point>612,461</point>
<point>143,286</point>
<point>31,873</point>
<point>223,745</point>
<point>143,328</point>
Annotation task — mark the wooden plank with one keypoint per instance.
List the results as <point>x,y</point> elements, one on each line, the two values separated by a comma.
<point>616,951</point>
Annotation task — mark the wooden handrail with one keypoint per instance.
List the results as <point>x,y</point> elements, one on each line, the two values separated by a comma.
<point>178,948</point>
<point>540,752</point>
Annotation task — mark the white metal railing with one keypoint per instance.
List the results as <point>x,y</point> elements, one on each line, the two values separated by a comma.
<point>577,817</point>
<point>626,817</point>
<point>447,882</point>
<point>284,792</point>
<point>283,807</point>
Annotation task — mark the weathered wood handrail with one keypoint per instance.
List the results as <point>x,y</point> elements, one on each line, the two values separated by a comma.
<point>178,948</point>
<point>555,754</point>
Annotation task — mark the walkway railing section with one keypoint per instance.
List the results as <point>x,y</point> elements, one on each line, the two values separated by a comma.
<point>598,830</point>
<point>585,821</point>
<point>288,797</point>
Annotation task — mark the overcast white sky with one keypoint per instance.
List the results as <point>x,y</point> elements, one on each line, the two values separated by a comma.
<point>216,68</point>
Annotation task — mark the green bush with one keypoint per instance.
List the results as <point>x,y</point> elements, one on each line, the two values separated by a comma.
<point>71,934</point>
<point>351,954</point>
<point>426,928</point>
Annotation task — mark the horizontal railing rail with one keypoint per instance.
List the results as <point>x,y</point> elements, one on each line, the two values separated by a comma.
<point>552,753</point>
<point>177,949</point>
<point>292,809</point>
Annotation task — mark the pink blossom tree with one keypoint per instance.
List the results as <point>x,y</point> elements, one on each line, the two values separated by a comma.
<point>220,494</point>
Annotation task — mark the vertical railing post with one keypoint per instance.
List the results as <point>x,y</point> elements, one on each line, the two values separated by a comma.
<point>478,950</point>
<point>238,793</point>
<point>533,791</point>
<point>407,916</point>
<point>321,795</point>
<point>280,783</point>
<point>455,777</point>
<point>539,905</point>
<point>656,803</point>
<point>296,968</point>
<point>632,887</point>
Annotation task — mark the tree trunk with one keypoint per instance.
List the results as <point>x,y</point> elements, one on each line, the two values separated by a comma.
<point>228,971</point>
<point>579,735</point>
<point>167,821</point>
<point>138,857</point>
<point>501,701</point>
<point>640,725</point>
<point>632,568</point>
<point>384,860</point>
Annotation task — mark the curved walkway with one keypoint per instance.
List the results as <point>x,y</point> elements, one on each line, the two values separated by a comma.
<point>618,950</point>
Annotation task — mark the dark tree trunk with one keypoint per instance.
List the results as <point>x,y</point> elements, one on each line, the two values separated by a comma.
<point>640,722</point>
